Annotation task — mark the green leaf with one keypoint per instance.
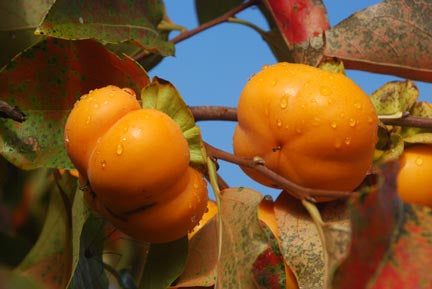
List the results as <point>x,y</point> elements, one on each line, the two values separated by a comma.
<point>14,280</point>
<point>395,149</point>
<point>88,269</point>
<point>395,97</point>
<point>45,81</point>
<point>19,20</point>
<point>415,134</point>
<point>14,249</point>
<point>49,260</point>
<point>113,22</point>
<point>163,96</point>
<point>243,239</point>
<point>208,10</point>
<point>165,262</point>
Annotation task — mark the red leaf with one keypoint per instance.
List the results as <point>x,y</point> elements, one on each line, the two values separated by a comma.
<point>44,82</point>
<point>298,20</point>
<point>392,37</point>
<point>391,241</point>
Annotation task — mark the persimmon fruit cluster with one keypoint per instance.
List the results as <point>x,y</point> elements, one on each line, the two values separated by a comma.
<point>136,162</point>
<point>314,127</point>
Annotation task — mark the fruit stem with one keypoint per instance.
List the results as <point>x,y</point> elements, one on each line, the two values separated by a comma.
<point>211,166</point>
<point>292,188</point>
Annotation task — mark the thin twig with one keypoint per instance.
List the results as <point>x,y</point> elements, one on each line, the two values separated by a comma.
<point>224,18</point>
<point>12,112</point>
<point>411,121</point>
<point>257,165</point>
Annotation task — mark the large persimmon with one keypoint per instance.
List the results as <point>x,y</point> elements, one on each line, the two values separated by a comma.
<point>314,127</point>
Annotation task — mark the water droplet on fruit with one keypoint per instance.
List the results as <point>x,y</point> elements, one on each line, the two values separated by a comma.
<point>419,161</point>
<point>352,122</point>
<point>338,144</point>
<point>284,103</point>
<point>279,123</point>
<point>370,120</point>
<point>103,164</point>
<point>265,66</point>
<point>274,82</point>
<point>316,121</point>
<point>333,124</point>
<point>298,130</point>
<point>325,90</point>
<point>96,105</point>
<point>124,139</point>
<point>195,185</point>
<point>119,149</point>
<point>125,129</point>
<point>67,139</point>
<point>303,106</point>
<point>88,120</point>
<point>347,140</point>
<point>105,102</point>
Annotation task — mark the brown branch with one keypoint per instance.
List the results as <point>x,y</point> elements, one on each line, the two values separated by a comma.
<point>224,18</point>
<point>214,113</point>
<point>12,112</point>
<point>259,166</point>
<point>201,113</point>
<point>214,22</point>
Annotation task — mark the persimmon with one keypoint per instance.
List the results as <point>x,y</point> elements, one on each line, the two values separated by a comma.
<point>163,221</point>
<point>210,212</point>
<point>91,117</point>
<point>134,168</point>
<point>145,152</point>
<point>314,127</point>
<point>415,174</point>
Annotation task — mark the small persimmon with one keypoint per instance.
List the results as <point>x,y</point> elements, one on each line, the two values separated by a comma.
<point>314,127</point>
<point>91,117</point>
<point>414,177</point>
<point>141,155</point>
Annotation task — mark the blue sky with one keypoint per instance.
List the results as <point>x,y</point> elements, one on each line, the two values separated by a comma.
<point>212,67</point>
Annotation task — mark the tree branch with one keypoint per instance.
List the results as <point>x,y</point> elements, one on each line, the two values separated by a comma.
<point>259,166</point>
<point>225,113</point>
<point>12,112</point>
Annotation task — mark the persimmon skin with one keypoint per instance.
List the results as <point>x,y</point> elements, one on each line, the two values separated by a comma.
<point>91,117</point>
<point>137,160</point>
<point>164,221</point>
<point>314,127</point>
<point>415,174</point>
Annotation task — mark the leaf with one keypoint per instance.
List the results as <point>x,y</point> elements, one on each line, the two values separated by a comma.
<point>200,268</point>
<point>310,260</point>
<point>243,240</point>
<point>391,37</point>
<point>87,246</point>
<point>165,262</point>
<point>48,262</point>
<point>391,244</point>
<point>45,81</point>
<point>208,10</point>
<point>13,280</point>
<point>395,97</point>
<point>393,152</point>
<point>298,20</point>
<point>414,134</point>
<point>114,22</point>
<point>14,249</point>
<point>163,96</point>
<point>19,21</point>
<point>269,267</point>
